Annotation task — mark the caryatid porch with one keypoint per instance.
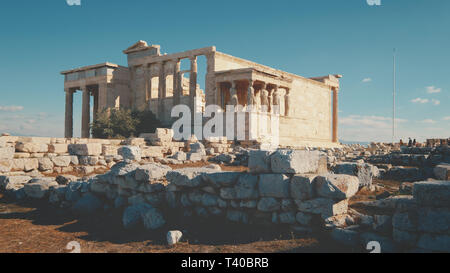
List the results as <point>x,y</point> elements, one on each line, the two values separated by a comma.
<point>266,94</point>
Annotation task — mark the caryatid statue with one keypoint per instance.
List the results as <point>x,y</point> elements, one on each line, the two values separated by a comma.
<point>233,94</point>
<point>287,102</point>
<point>251,96</point>
<point>264,99</point>
<point>276,100</point>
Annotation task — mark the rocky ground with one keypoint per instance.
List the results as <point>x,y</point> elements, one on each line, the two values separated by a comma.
<point>37,227</point>
<point>34,226</point>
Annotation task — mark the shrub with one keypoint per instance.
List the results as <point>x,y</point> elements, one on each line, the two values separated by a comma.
<point>124,123</point>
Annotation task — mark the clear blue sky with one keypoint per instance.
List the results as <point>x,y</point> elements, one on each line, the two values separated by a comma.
<point>310,38</point>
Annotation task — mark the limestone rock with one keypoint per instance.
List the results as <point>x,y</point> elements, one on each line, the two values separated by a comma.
<point>151,172</point>
<point>259,161</point>
<point>301,186</point>
<point>130,153</point>
<point>173,237</point>
<point>364,171</point>
<point>133,215</point>
<point>435,193</point>
<point>246,187</point>
<point>323,206</point>
<point>85,149</point>
<point>442,172</point>
<point>38,188</point>
<point>336,186</point>
<point>268,204</point>
<point>221,179</point>
<point>7,153</point>
<point>189,177</point>
<point>61,161</point>
<point>274,185</point>
<point>45,164</point>
<point>295,161</point>
<point>14,182</point>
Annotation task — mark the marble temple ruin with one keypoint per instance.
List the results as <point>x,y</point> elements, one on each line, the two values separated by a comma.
<point>308,107</point>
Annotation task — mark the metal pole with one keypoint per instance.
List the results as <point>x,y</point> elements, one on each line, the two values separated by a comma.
<point>393,100</point>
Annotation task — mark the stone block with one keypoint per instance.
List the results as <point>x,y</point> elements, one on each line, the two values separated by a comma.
<point>323,206</point>
<point>188,177</point>
<point>61,161</point>
<point>268,204</point>
<point>58,148</point>
<point>85,149</point>
<point>45,164</point>
<point>130,153</point>
<point>151,172</point>
<point>364,171</point>
<point>14,182</point>
<point>295,161</point>
<point>274,185</point>
<point>336,186</point>
<point>109,150</point>
<point>442,172</point>
<point>7,153</point>
<point>301,186</point>
<point>39,187</point>
<point>433,220</point>
<point>31,147</point>
<point>221,179</point>
<point>434,193</point>
<point>259,161</point>
<point>246,187</point>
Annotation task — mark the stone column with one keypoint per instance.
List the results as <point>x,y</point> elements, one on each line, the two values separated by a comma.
<point>147,84</point>
<point>86,116</point>
<point>161,90</point>
<point>68,126</point>
<point>177,84</point>
<point>218,95</point>
<point>96,103</point>
<point>193,77</point>
<point>103,101</point>
<point>335,115</point>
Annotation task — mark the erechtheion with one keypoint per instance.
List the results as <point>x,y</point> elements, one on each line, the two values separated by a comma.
<point>308,107</point>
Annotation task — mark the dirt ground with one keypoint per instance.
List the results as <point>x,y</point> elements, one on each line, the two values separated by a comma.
<point>38,227</point>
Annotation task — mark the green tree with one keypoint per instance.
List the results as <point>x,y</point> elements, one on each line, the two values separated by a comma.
<point>124,123</point>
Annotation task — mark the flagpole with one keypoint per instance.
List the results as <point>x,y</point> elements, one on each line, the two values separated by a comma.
<point>393,99</point>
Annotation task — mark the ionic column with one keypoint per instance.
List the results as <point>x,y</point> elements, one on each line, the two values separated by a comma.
<point>161,90</point>
<point>147,84</point>
<point>193,77</point>
<point>177,84</point>
<point>96,103</point>
<point>85,116</point>
<point>335,115</point>
<point>68,125</point>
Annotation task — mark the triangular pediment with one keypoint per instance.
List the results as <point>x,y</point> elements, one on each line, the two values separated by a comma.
<point>139,46</point>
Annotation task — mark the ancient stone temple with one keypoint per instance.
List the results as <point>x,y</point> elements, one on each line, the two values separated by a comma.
<point>307,108</point>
